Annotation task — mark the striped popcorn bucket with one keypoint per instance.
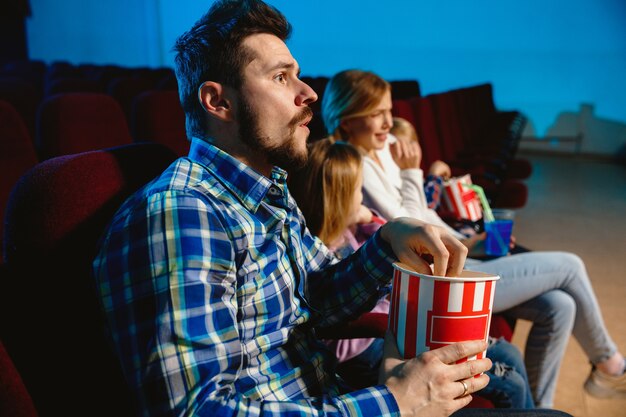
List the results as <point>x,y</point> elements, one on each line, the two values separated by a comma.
<point>428,312</point>
<point>461,200</point>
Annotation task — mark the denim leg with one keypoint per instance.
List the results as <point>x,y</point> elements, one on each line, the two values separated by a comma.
<point>508,376</point>
<point>552,315</point>
<point>529,275</point>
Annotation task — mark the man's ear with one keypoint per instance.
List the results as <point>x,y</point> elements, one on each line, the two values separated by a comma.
<point>213,98</point>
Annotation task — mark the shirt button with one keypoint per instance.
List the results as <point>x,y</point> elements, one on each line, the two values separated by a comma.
<point>274,191</point>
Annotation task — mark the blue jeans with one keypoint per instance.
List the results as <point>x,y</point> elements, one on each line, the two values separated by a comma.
<point>508,383</point>
<point>552,290</point>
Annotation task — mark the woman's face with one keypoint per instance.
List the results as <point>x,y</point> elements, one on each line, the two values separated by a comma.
<point>369,132</point>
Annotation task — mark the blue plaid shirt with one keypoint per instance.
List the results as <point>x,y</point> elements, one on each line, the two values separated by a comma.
<point>212,285</point>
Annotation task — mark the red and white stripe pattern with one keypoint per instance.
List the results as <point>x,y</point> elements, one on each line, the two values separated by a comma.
<point>460,200</point>
<point>448,311</point>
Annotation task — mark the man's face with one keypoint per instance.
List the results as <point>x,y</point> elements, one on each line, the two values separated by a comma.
<point>273,103</point>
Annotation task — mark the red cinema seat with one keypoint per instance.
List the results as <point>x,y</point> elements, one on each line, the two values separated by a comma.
<point>157,116</point>
<point>17,155</point>
<point>50,316</point>
<point>78,122</point>
<point>15,401</point>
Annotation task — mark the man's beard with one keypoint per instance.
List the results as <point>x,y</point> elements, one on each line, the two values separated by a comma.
<point>285,153</point>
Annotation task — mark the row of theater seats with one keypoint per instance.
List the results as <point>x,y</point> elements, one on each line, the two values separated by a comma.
<point>456,114</point>
<point>26,83</point>
<point>76,122</point>
<point>61,108</point>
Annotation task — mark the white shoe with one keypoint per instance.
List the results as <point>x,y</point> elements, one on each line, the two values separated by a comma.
<point>602,385</point>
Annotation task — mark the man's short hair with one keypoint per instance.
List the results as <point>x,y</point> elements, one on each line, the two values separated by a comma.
<point>211,51</point>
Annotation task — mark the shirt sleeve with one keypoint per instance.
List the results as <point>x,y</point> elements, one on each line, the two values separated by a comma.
<point>378,194</point>
<point>343,290</point>
<point>433,188</point>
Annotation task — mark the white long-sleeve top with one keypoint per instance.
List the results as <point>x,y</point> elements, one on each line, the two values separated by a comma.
<point>398,193</point>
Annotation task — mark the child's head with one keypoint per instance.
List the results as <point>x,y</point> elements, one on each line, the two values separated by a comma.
<point>403,129</point>
<point>328,188</point>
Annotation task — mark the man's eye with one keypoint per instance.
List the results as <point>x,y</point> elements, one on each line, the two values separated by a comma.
<point>281,78</point>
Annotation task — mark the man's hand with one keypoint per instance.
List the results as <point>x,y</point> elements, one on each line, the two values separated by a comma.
<point>412,240</point>
<point>430,385</point>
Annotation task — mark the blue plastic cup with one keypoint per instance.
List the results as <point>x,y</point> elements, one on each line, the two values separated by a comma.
<point>499,233</point>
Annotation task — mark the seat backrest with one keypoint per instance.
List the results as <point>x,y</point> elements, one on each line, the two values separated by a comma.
<point>17,155</point>
<point>426,126</point>
<point>405,89</point>
<point>476,109</point>
<point>158,117</point>
<point>402,108</point>
<point>15,401</point>
<point>24,97</point>
<point>49,313</point>
<point>448,125</point>
<point>125,89</point>
<point>61,69</point>
<point>72,85</point>
<point>26,69</point>
<point>78,122</point>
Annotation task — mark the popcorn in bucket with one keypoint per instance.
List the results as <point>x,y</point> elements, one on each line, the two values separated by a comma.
<point>428,312</point>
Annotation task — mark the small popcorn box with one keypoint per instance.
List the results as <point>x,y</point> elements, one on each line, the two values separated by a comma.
<point>460,200</point>
<point>428,312</point>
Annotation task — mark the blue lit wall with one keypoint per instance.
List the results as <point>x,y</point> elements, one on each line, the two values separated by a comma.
<point>543,57</point>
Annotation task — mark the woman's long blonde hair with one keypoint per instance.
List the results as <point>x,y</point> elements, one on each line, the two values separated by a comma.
<point>324,188</point>
<point>350,93</point>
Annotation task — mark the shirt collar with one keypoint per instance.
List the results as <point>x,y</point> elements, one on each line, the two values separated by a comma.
<point>249,186</point>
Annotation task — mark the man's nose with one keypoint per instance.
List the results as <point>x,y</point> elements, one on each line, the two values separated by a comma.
<point>306,96</point>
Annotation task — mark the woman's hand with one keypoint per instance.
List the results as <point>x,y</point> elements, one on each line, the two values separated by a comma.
<point>406,155</point>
